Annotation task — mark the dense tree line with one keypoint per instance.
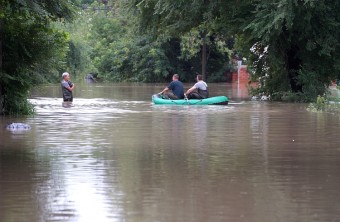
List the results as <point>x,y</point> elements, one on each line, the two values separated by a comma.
<point>291,46</point>
<point>295,46</point>
<point>120,51</point>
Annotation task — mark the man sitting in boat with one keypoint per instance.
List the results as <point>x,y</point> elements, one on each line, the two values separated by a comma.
<point>199,90</point>
<point>176,87</point>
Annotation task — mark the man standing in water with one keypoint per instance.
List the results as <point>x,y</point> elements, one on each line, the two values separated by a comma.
<point>67,87</point>
<point>176,87</point>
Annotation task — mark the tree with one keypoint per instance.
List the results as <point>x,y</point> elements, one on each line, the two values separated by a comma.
<point>29,48</point>
<point>176,18</point>
<point>119,55</point>
<point>295,45</point>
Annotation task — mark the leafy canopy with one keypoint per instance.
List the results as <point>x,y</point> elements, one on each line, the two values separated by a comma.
<point>30,48</point>
<point>293,45</point>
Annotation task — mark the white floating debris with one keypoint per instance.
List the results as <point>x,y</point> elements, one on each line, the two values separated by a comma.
<point>18,127</point>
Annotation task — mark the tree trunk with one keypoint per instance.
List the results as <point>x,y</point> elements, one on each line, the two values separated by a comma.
<point>293,66</point>
<point>1,56</point>
<point>204,59</point>
<point>1,39</point>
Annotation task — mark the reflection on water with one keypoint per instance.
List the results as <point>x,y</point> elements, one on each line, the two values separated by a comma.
<point>117,157</point>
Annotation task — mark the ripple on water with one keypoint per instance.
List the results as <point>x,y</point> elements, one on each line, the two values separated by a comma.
<point>48,106</point>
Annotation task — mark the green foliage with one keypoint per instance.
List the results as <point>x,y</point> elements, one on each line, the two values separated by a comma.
<point>31,49</point>
<point>295,45</point>
<point>191,43</point>
<point>107,42</point>
<point>191,46</point>
<point>119,54</point>
<point>77,59</point>
<point>320,103</point>
<point>313,84</point>
<point>323,104</point>
<point>194,22</point>
<point>14,100</point>
<point>295,48</point>
<point>135,60</point>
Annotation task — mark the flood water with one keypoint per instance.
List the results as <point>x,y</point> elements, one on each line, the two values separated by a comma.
<point>114,156</point>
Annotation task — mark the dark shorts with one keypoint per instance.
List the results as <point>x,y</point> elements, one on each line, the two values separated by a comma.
<point>68,100</point>
<point>195,95</point>
<point>170,95</point>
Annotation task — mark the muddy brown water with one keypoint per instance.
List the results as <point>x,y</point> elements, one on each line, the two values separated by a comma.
<point>114,156</point>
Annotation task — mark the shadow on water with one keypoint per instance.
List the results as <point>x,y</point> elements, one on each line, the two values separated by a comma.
<point>111,155</point>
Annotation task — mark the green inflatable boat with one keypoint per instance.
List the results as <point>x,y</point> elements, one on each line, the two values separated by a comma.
<point>216,100</point>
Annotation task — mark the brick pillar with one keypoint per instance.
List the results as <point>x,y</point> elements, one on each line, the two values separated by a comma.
<point>242,75</point>
<point>240,80</point>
